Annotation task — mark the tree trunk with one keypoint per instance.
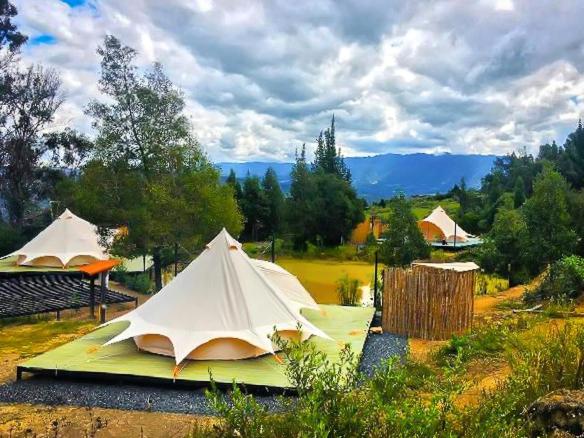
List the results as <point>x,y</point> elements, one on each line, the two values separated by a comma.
<point>157,269</point>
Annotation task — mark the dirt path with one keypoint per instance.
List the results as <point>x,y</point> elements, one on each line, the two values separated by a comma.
<point>488,303</point>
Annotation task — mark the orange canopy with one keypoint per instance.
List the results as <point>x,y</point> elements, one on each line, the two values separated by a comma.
<point>98,267</point>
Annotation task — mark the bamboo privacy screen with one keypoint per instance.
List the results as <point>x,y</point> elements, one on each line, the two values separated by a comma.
<point>426,302</point>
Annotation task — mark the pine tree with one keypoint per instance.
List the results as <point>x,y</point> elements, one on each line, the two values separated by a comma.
<point>300,204</point>
<point>234,184</point>
<point>572,161</point>
<point>274,202</point>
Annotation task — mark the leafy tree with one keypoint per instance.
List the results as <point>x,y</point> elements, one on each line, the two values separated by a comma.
<point>404,241</point>
<point>301,203</point>
<point>254,207</point>
<point>234,183</point>
<point>30,101</point>
<point>147,167</point>
<point>274,199</point>
<point>10,37</point>
<point>550,235</point>
<point>337,209</point>
<point>519,192</point>
<point>572,159</point>
<point>508,237</point>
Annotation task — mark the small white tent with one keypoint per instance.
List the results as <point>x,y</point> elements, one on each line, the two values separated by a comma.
<point>220,307</point>
<point>438,226</point>
<point>68,241</point>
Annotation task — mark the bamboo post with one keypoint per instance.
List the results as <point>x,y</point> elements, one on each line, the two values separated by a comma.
<point>102,297</point>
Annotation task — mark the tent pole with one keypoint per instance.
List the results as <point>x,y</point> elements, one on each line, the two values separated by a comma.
<point>102,297</point>
<point>175,258</point>
<point>375,299</point>
<point>92,297</point>
<point>455,234</point>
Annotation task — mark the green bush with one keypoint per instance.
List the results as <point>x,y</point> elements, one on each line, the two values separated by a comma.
<point>564,280</point>
<point>485,340</point>
<point>348,291</point>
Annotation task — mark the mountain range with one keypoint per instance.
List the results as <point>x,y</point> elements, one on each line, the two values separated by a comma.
<point>381,176</point>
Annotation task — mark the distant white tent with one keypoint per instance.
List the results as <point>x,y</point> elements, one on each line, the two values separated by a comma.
<point>68,241</point>
<point>222,306</point>
<point>438,226</point>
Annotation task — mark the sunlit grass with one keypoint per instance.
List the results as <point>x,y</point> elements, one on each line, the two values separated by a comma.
<point>320,277</point>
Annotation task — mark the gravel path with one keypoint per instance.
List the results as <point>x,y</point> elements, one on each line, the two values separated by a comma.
<point>47,391</point>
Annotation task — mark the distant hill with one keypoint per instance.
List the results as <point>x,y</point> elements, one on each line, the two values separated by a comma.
<point>381,176</point>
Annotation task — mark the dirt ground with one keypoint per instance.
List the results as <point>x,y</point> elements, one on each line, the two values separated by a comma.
<point>22,420</point>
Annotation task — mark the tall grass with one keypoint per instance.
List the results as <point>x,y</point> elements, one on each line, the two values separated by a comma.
<point>348,291</point>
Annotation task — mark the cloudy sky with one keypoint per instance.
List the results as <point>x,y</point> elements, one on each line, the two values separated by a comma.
<point>261,78</point>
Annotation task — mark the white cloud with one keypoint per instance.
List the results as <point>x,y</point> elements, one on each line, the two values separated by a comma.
<point>261,78</point>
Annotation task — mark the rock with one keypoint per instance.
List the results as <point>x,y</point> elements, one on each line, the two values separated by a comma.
<point>559,411</point>
<point>376,330</point>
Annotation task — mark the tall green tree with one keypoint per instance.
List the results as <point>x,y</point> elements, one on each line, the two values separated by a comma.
<point>327,157</point>
<point>508,236</point>
<point>234,184</point>
<point>254,208</point>
<point>572,159</point>
<point>519,192</point>
<point>301,217</point>
<point>404,241</point>
<point>274,198</point>
<point>549,227</point>
<point>147,170</point>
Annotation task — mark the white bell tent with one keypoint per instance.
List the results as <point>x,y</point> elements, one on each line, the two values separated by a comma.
<point>68,241</point>
<point>220,307</point>
<point>439,226</point>
<point>287,283</point>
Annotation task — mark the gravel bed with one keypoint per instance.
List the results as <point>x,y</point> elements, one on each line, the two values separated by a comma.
<point>47,391</point>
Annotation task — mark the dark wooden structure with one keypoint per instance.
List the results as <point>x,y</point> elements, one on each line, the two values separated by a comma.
<point>427,302</point>
<point>30,294</point>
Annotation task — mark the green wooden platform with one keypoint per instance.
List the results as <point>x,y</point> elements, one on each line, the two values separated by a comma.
<point>86,358</point>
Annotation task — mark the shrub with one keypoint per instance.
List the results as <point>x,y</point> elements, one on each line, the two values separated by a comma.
<point>564,280</point>
<point>486,340</point>
<point>348,291</point>
<point>140,283</point>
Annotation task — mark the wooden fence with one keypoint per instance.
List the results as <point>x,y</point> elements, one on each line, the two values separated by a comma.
<point>427,303</point>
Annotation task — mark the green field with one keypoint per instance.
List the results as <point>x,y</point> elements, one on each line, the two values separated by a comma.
<point>320,277</point>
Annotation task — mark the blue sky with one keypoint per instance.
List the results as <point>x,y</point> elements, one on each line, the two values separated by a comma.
<point>262,77</point>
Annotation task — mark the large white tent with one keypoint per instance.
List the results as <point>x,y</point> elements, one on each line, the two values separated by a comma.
<point>68,241</point>
<point>439,226</point>
<point>222,306</point>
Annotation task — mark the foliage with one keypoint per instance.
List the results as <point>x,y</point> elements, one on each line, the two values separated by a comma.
<point>549,232</point>
<point>327,158</point>
<point>404,241</point>
<point>147,166</point>
<point>140,282</point>
<point>488,339</point>
<point>348,291</point>
<point>10,37</point>
<point>253,206</point>
<point>562,281</point>
<point>323,208</point>
<point>274,199</point>
<point>489,284</point>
